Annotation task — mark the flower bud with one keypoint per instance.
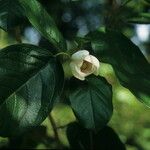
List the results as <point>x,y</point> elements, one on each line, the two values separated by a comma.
<point>84,64</point>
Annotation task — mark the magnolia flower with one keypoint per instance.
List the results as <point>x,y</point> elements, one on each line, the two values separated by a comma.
<point>84,64</point>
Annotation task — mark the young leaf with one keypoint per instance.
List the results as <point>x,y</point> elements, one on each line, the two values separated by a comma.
<point>130,65</point>
<point>31,82</point>
<point>91,101</point>
<point>10,11</point>
<point>81,138</point>
<point>43,22</point>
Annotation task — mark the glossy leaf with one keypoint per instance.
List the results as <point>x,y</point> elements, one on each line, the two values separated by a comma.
<point>81,138</point>
<point>10,14</point>
<point>43,22</point>
<point>91,101</point>
<point>130,65</point>
<point>31,82</point>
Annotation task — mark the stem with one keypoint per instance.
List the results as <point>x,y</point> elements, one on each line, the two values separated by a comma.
<point>51,119</point>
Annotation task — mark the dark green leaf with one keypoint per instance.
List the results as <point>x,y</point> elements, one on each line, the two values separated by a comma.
<point>43,22</point>
<point>82,139</point>
<point>91,101</point>
<point>30,83</point>
<point>130,65</point>
<point>10,13</point>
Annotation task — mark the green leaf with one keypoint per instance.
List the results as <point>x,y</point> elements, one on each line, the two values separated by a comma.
<point>91,101</point>
<point>130,65</point>
<point>10,14</point>
<point>43,22</point>
<point>81,138</point>
<point>143,18</point>
<point>30,83</point>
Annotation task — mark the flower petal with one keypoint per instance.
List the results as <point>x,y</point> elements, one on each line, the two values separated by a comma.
<point>78,62</point>
<point>80,55</point>
<point>93,60</point>
<point>76,71</point>
<point>87,68</point>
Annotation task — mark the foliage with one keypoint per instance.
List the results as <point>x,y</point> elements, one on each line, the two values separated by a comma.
<point>33,78</point>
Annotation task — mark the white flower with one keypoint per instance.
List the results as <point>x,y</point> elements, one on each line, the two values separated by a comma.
<point>84,64</point>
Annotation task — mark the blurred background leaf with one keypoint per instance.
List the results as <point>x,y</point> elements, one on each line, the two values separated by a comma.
<point>143,18</point>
